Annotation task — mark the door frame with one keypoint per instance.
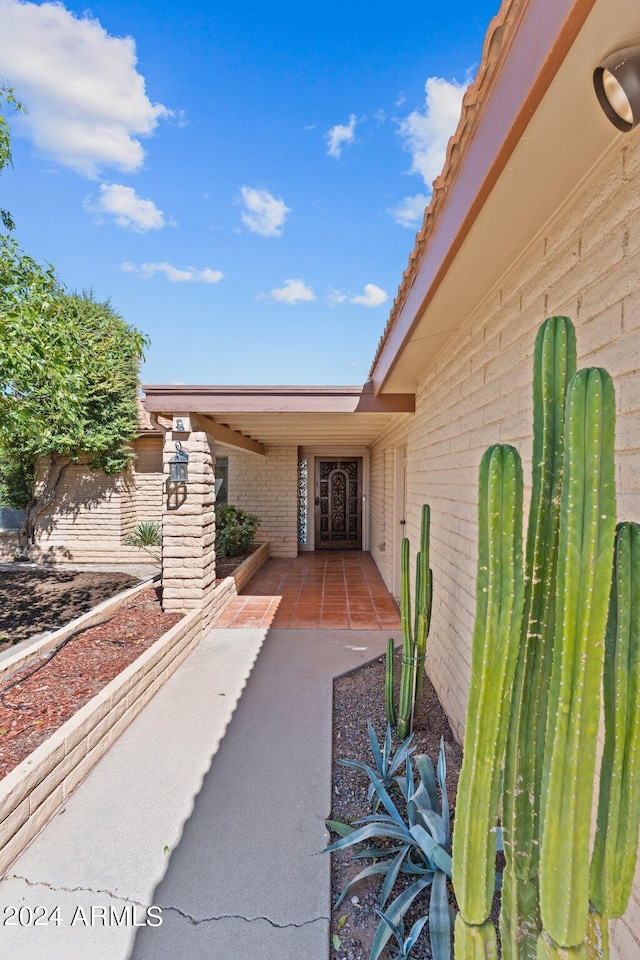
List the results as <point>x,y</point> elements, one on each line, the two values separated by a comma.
<point>336,452</point>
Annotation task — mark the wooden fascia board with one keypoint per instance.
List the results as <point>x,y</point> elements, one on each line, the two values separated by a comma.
<point>545,34</point>
<point>217,404</point>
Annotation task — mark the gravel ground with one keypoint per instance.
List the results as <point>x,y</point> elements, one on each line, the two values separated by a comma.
<point>359,696</point>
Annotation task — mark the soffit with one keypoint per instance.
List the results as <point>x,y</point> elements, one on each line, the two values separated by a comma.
<point>302,429</point>
<point>564,142</point>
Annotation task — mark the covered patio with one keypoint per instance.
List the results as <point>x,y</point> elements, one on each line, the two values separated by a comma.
<point>326,590</point>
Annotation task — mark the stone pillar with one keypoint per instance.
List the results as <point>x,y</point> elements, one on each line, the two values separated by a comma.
<point>188,526</point>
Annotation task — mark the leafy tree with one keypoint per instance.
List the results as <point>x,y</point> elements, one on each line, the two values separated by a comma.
<point>7,95</point>
<point>68,377</point>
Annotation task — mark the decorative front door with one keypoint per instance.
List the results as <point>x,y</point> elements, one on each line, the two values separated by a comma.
<point>338,500</point>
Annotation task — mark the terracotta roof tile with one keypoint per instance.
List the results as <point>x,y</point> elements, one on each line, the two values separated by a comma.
<point>499,33</point>
<point>144,420</point>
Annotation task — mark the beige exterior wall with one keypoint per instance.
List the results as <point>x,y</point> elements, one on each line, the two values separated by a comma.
<point>478,392</point>
<point>267,486</point>
<point>93,512</point>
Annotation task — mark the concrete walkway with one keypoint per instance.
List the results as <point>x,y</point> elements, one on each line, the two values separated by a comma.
<point>218,833</point>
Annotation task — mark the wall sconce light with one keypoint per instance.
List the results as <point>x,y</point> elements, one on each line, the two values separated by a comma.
<point>179,465</point>
<point>617,83</point>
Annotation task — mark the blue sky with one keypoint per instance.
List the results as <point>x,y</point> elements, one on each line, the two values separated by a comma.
<point>243,181</point>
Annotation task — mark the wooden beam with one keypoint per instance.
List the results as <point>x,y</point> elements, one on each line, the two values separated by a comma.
<point>231,438</point>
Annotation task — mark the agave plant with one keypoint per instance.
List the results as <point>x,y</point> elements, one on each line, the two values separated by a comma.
<point>405,945</point>
<point>146,536</point>
<point>422,851</point>
<point>386,765</point>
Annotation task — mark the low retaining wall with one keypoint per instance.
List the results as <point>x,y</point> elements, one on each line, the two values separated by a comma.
<point>230,587</point>
<point>34,790</point>
<point>25,655</point>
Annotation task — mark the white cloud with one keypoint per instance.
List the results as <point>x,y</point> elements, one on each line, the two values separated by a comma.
<point>86,100</point>
<point>341,134</point>
<point>410,211</point>
<point>294,291</point>
<point>426,132</point>
<point>373,296</point>
<point>126,207</point>
<point>147,271</point>
<point>264,214</point>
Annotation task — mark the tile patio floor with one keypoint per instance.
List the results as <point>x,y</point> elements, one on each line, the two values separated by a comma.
<point>333,590</point>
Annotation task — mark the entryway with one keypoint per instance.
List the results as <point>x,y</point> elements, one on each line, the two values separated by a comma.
<point>332,590</point>
<point>338,503</point>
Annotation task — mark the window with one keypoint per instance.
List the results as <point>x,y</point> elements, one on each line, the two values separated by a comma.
<point>303,482</point>
<point>10,518</point>
<point>222,473</point>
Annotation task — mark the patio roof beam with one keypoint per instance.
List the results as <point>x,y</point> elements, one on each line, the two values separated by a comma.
<point>230,438</point>
<point>210,400</point>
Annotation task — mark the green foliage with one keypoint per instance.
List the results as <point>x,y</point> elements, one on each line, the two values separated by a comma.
<point>386,764</point>
<point>550,756</point>
<point>496,633</point>
<point>146,536</point>
<point>68,381</point>
<point>414,636</point>
<point>235,530</point>
<point>614,856</point>
<point>421,852</point>
<point>405,945</point>
<point>8,96</point>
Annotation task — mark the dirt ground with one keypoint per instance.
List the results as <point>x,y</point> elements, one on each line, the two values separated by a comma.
<point>37,700</point>
<point>39,599</point>
<point>359,696</point>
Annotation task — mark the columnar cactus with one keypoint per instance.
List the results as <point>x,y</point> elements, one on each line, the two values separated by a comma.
<point>614,854</point>
<point>499,598</point>
<point>414,637</point>
<point>389,680</point>
<point>554,365</point>
<point>587,526</point>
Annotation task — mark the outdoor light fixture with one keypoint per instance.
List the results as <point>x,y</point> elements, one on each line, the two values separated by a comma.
<point>179,465</point>
<point>617,83</point>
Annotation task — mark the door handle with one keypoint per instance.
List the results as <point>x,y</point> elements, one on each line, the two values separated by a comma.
<point>402,523</point>
<point>317,501</point>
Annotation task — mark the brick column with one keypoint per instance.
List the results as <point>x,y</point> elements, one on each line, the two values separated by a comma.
<point>188,526</point>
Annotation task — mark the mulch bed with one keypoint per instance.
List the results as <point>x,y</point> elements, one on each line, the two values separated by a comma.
<point>32,709</point>
<point>33,600</point>
<point>357,697</point>
<point>226,565</point>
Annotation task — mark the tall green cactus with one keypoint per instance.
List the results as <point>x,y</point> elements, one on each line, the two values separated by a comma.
<point>587,527</point>
<point>614,854</point>
<point>389,681</point>
<point>554,365</point>
<point>414,637</point>
<point>499,598</point>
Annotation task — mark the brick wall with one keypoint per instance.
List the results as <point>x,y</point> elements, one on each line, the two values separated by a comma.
<point>268,487</point>
<point>478,391</point>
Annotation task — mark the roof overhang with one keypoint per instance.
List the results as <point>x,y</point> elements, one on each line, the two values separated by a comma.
<point>537,135</point>
<point>293,415</point>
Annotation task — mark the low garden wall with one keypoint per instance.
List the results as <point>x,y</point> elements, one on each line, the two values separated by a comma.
<point>33,791</point>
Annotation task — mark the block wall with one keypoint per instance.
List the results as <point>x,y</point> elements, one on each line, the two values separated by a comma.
<point>586,265</point>
<point>268,487</point>
<point>93,512</point>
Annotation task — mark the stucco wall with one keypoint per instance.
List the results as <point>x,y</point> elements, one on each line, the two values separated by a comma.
<point>478,392</point>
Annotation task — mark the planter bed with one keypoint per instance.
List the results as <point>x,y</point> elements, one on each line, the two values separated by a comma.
<point>34,789</point>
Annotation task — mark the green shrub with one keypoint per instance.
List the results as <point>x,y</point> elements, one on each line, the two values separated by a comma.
<point>235,530</point>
